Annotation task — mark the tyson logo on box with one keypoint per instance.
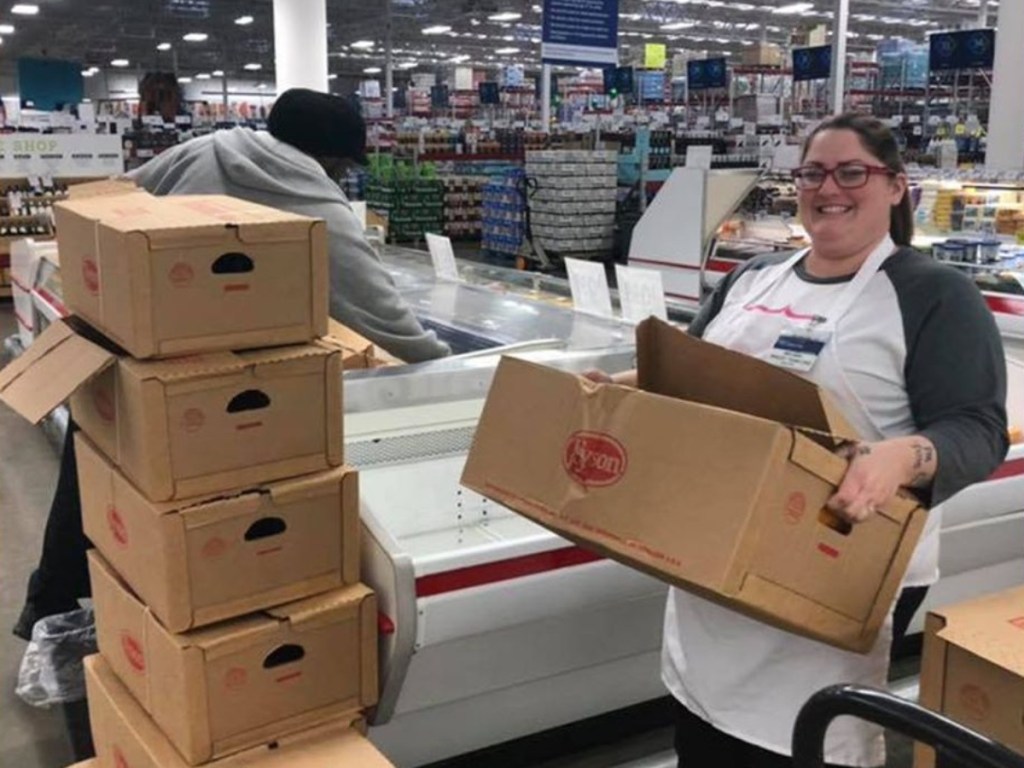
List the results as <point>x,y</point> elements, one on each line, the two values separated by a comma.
<point>594,459</point>
<point>181,275</point>
<point>133,653</point>
<point>117,526</point>
<point>974,699</point>
<point>91,276</point>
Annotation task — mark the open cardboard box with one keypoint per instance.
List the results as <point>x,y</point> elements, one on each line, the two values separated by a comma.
<point>206,559</point>
<point>126,737</point>
<point>713,477</point>
<point>183,274</point>
<point>972,669</point>
<point>188,426</point>
<point>244,682</point>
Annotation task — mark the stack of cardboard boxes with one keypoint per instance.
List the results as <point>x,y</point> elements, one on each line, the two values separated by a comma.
<point>225,576</point>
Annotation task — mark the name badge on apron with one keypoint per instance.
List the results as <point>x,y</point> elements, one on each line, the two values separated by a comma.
<point>798,348</point>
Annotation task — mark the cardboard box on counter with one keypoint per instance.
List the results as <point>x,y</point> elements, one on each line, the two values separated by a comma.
<point>206,559</point>
<point>183,274</point>
<point>244,682</point>
<point>714,479</point>
<point>126,737</point>
<point>972,669</point>
<point>191,425</point>
<point>763,55</point>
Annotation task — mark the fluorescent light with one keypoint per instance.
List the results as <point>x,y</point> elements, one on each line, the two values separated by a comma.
<point>679,25</point>
<point>363,44</point>
<point>6,29</point>
<point>119,63</point>
<point>203,76</point>
<point>184,79</point>
<point>505,16</point>
<point>408,65</point>
<point>261,86</point>
<point>195,37</point>
<point>25,9</point>
<point>218,73</point>
<point>437,29</point>
<point>253,67</point>
<point>332,76</point>
<point>506,51</point>
<point>243,20</point>
<point>793,8</point>
<point>164,47</point>
<point>372,70</point>
<point>458,59</point>
<point>87,73</point>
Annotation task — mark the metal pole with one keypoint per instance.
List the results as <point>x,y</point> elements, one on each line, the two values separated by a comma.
<point>545,98</point>
<point>389,69</point>
<point>983,14</point>
<point>838,74</point>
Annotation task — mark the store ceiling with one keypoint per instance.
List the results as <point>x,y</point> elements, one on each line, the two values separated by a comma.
<point>95,32</point>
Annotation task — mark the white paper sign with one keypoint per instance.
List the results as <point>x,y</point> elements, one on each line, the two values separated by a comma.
<point>443,256</point>
<point>589,287</point>
<point>641,293</point>
<point>786,157</point>
<point>698,157</point>
<point>359,209</point>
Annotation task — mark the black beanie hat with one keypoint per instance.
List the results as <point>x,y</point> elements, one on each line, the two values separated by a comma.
<point>319,124</point>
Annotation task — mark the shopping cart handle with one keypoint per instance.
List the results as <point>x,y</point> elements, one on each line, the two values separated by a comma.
<point>956,742</point>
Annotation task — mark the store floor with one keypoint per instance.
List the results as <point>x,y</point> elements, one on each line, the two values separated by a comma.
<point>34,738</point>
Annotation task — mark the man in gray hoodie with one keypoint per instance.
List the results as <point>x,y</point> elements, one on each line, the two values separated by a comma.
<point>313,137</point>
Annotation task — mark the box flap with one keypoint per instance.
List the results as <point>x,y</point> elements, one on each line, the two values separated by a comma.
<point>314,608</point>
<point>114,186</point>
<point>216,363</point>
<point>54,366</point>
<point>671,362</point>
<point>991,627</point>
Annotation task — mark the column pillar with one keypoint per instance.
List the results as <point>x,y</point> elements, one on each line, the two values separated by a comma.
<point>545,98</point>
<point>300,44</point>
<point>837,84</point>
<point>1006,113</point>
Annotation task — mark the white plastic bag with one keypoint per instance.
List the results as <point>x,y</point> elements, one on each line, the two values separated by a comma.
<point>51,669</point>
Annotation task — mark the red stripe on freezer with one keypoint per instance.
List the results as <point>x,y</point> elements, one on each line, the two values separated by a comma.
<point>713,265</point>
<point>502,570</point>
<point>1005,305</point>
<point>1013,468</point>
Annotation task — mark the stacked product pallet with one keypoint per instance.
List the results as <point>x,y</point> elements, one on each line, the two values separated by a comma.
<point>412,206</point>
<point>463,207</point>
<point>504,213</point>
<point>230,620</point>
<point>572,210</point>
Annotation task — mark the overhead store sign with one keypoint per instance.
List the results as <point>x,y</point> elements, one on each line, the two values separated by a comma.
<point>812,63</point>
<point>68,156</point>
<point>655,55</point>
<point>703,74</point>
<point>580,32</point>
<point>969,49</point>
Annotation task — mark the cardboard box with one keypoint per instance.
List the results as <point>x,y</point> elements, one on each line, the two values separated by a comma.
<point>191,425</point>
<point>714,479</point>
<point>972,669</point>
<point>192,273</point>
<point>245,682</point>
<point>357,350</point>
<point>126,737</point>
<point>763,55</point>
<point>206,559</point>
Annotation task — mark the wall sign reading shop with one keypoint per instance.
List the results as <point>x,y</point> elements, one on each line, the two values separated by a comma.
<point>581,32</point>
<point>71,155</point>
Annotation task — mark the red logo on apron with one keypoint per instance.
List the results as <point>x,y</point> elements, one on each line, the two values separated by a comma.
<point>594,459</point>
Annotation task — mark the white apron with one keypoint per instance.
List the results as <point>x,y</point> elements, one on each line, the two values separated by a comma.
<point>744,677</point>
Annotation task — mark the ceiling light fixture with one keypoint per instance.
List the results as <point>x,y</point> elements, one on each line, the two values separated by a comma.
<point>6,29</point>
<point>332,76</point>
<point>408,65</point>
<point>793,8</point>
<point>506,51</point>
<point>119,62</point>
<point>243,21</point>
<point>24,9</point>
<point>253,67</point>
<point>261,86</point>
<point>363,44</point>
<point>203,76</point>
<point>218,73</point>
<point>505,16</point>
<point>372,70</point>
<point>437,29</point>
<point>87,73</point>
<point>195,37</point>
<point>164,47</point>
<point>678,25</point>
<point>184,79</point>
<point>458,59</point>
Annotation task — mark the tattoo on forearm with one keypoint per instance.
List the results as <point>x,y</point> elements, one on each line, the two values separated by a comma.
<point>923,455</point>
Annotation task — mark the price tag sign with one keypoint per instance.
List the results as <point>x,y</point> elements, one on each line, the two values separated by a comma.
<point>641,293</point>
<point>153,120</point>
<point>443,256</point>
<point>698,157</point>
<point>589,287</point>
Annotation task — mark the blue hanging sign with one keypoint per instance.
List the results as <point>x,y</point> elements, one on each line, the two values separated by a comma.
<point>704,74</point>
<point>968,49</point>
<point>812,63</point>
